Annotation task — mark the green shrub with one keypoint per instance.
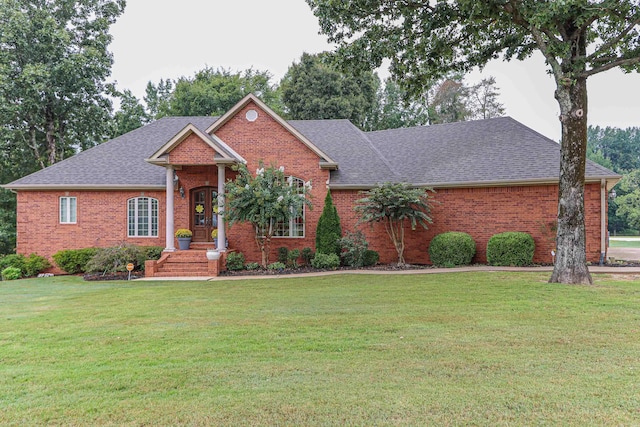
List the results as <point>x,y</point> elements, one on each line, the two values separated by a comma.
<point>153,252</point>
<point>292,259</point>
<point>11,273</point>
<point>283,255</point>
<point>370,258</point>
<point>353,247</point>
<point>74,261</point>
<point>451,249</point>
<point>252,266</point>
<point>115,259</point>
<point>307,256</point>
<point>35,264</point>
<point>13,260</point>
<point>325,261</point>
<point>512,248</point>
<point>235,261</point>
<point>29,266</point>
<point>328,230</point>
<point>276,266</point>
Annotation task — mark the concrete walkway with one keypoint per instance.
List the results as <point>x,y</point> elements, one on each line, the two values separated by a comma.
<point>592,269</point>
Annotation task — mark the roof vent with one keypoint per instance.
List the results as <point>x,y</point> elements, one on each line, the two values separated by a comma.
<point>251,115</point>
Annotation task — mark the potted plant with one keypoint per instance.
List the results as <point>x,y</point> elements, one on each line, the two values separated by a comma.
<point>184,238</point>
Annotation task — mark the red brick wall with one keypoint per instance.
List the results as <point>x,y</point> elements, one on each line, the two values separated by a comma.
<point>192,151</point>
<point>101,221</point>
<point>481,212</point>
<point>267,141</point>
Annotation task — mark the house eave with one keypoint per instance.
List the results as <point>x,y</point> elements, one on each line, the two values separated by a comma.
<point>83,187</point>
<point>610,179</point>
<point>329,165</point>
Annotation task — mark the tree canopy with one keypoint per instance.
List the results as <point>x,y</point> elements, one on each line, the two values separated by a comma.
<point>264,200</point>
<point>428,40</point>
<point>53,66</point>
<point>396,206</point>
<point>315,89</point>
<point>212,92</point>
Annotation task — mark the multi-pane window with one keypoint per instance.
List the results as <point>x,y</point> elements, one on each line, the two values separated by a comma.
<point>295,226</point>
<point>68,210</point>
<point>143,217</point>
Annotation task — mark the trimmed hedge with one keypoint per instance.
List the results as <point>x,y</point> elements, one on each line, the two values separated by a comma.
<point>11,273</point>
<point>235,261</point>
<point>370,258</point>
<point>28,266</point>
<point>74,261</point>
<point>451,249</point>
<point>325,261</point>
<point>512,248</point>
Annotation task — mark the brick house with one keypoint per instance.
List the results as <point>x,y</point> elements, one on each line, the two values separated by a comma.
<point>489,176</point>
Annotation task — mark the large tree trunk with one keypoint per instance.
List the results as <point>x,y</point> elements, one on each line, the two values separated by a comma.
<point>571,258</point>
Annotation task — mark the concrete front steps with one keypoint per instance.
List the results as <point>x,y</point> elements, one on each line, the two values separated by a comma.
<point>189,263</point>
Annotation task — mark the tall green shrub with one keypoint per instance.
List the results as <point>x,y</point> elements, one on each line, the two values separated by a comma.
<point>74,261</point>
<point>512,248</point>
<point>452,248</point>
<point>328,231</point>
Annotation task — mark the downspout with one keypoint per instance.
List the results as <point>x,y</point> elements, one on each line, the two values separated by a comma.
<point>603,220</point>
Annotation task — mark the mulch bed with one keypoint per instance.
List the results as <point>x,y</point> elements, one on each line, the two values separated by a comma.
<point>113,276</point>
<point>308,269</point>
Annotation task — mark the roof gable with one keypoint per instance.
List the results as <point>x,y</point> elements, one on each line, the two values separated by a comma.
<point>326,161</point>
<point>222,152</point>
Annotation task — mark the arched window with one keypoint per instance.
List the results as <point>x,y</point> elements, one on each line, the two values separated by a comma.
<point>142,217</point>
<point>295,226</point>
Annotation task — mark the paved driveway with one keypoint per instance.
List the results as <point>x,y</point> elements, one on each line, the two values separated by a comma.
<point>627,254</point>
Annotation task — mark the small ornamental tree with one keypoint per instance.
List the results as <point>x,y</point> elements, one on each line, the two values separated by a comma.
<point>264,200</point>
<point>328,230</point>
<point>396,205</point>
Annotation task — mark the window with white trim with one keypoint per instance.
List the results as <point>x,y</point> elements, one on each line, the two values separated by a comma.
<point>295,226</point>
<point>142,215</point>
<point>68,210</point>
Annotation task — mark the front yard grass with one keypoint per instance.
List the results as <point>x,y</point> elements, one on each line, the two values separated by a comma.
<point>628,242</point>
<point>440,349</point>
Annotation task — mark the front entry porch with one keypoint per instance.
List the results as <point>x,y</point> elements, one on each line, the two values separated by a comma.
<point>189,263</point>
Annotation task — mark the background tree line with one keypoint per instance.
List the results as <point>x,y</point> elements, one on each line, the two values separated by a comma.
<point>619,150</point>
<point>55,99</point>
<point>312,88</point>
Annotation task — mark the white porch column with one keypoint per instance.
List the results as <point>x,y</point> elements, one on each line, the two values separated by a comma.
<point>222,238</point>
<point>169,246</point>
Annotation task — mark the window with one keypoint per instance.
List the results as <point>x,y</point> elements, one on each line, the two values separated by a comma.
<point>143,217</point>
<point>295,226</point>
<point>68,209</point>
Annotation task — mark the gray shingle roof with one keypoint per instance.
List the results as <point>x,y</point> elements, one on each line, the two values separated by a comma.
<point>119,162</point>
<point>483,151</point>
<point>480,152</point>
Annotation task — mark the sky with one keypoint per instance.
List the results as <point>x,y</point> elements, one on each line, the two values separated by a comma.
<point>168,39</point>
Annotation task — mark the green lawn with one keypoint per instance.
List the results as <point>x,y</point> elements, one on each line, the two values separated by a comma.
<point>446,349</point>
<point>628,242</point>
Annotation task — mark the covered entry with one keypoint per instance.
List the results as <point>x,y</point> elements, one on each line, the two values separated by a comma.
<point>204,213</point>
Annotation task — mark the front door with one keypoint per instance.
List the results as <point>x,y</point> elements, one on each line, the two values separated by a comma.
<point>204,218</point>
